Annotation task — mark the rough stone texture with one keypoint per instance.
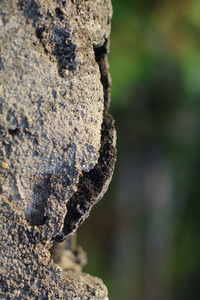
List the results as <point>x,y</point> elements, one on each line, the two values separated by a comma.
<point>89,287</point>
<point>57,140</point>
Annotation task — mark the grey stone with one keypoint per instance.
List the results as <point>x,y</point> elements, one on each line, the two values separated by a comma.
<point>57,139</point>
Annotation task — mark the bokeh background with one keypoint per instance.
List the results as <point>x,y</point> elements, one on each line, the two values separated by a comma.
<point>143,238</point>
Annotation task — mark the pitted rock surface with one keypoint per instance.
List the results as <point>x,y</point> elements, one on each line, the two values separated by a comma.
<point>54,125</point>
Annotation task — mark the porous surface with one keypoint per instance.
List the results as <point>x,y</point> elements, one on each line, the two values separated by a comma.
<point>57,140</point>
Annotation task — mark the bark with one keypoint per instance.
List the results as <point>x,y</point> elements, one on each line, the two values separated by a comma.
<point>57,141</point>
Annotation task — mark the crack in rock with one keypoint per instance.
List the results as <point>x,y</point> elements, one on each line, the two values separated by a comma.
<point>93,184</point>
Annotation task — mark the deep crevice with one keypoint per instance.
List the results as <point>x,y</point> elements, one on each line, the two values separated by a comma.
<point>94,183</point>
<point>100,57</point>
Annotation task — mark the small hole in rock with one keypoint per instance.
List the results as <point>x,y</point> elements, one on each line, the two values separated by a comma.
<point>59,13</point>
<point>39,32</point>
<point>14,132</point>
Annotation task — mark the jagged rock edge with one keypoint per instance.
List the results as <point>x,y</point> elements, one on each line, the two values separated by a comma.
<point>93,184</point>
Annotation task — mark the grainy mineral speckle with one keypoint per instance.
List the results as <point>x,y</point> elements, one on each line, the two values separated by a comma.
<point>53,111</point>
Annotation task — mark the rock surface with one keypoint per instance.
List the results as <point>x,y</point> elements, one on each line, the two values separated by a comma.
<point>57,140</point>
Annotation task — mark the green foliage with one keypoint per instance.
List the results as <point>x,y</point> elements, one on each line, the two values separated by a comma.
<point>155,69</point>
<point>145,33</point>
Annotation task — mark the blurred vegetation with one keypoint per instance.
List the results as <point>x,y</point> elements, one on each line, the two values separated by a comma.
<point>143,238</point>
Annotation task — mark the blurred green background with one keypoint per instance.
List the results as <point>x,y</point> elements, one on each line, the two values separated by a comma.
<point>143,238</point>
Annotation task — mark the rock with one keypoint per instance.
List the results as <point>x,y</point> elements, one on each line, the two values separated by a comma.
<point>88,287</point>
<point>68,255</point>
<point>57,139</point>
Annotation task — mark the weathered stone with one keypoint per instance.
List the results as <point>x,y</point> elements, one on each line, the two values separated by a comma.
<point>57,140</point>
